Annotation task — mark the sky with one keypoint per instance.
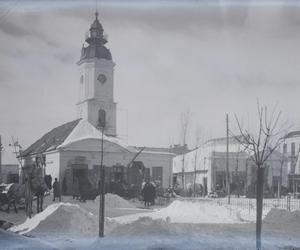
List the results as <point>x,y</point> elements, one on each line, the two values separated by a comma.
<point>208,57</point>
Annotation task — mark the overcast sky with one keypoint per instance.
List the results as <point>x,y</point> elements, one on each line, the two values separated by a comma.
<point>210,57</point>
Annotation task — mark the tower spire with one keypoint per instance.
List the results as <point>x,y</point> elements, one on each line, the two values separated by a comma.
<point>96,8</point>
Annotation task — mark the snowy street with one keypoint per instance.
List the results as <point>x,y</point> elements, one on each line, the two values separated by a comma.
<point>203,224</point>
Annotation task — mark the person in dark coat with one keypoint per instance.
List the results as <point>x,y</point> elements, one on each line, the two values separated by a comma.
<point>56,190</point>
<point>75,189</point>
<point>148,193</point>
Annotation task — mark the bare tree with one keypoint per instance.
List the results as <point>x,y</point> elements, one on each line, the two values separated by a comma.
<point>246,177</point>
<point>185,118</point>
<point>262,144</point>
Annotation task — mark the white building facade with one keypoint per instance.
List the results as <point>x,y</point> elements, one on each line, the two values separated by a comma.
<point>72,150</point>
<point>291,149</point>
<point>206,166</point>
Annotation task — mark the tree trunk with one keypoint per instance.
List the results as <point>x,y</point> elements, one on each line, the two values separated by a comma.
<point>246,179</point>
<point>195,173</point>
<point>280,181</point>
<point>259,204</point>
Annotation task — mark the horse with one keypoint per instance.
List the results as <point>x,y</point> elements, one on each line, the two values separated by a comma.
<point>37,185</point>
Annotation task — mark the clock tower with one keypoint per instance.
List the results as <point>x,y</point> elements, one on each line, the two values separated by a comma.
<point>96,80</point>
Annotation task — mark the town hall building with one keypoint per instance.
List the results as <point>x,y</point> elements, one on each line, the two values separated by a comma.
<point>72,150</point>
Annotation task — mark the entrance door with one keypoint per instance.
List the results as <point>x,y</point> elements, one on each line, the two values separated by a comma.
<point>80,171</point>
<point>157,175</point>
<point>80,175</point>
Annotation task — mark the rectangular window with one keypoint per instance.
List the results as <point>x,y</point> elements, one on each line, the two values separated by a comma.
<point>284,148</point>
<point>293,149</point>
<point>157,174</point>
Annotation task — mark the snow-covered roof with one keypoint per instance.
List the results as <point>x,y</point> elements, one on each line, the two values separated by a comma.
<point>152,150</point>
<point>68,133</point>
<point>223,140</point>
<point>292,134</point>
<point>85,130</point>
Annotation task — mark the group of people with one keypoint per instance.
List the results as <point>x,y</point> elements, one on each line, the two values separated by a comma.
<point>148,193</point>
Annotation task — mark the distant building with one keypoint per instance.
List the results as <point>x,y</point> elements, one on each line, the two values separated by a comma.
<point>72,150</point>
<point>178,149</point>
<point>206,166</point>
<point>291,148</point>
<point>10,173</point>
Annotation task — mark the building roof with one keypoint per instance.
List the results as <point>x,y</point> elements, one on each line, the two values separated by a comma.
<point>293,134</point>
<point>84,131</point>
<point>95,51</point>
<point>222,140</point>
<point>174,150</point>
<point>66,134</point>
<point>154,149</point>
<point>51,140</point>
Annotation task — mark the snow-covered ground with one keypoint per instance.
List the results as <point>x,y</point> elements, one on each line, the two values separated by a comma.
<point>189,212</point>
<point>177,212</point>
<point>198,211</point>
<point>184,224</point>
<point>161,242</point>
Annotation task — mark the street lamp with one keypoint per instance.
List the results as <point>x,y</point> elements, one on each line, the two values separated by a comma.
<point>101,125</point>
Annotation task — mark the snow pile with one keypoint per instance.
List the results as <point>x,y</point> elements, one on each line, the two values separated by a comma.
<point>32,223</point>
<point>115,201</point>
<point>247,215</point>
<point>143,226</point>
<point>189,212</point>
<point>69,220</point>
<point>283,217</point>
<point>60,218</point>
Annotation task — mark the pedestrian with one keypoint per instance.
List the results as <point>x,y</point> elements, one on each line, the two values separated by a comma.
<point>75,188</point>
<point>148,193</point>
<point>56,190</point>
<point>153,188</point>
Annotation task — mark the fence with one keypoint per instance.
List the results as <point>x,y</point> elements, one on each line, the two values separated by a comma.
<point>287,203</point>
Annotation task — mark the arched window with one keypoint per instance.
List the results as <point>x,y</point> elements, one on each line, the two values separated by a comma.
<point>101,118</point>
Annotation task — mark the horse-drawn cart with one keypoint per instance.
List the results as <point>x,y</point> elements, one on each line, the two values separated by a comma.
<point>11,194</point>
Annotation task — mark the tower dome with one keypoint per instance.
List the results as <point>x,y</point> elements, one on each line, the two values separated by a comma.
<point>96,40</point>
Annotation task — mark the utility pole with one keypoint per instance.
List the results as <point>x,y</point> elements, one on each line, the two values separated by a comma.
<point>227,160</point>
<point>195,171</point>
<point>102,124</point>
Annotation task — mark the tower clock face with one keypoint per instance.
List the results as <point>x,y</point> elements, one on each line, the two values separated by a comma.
<point>102,78</point>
